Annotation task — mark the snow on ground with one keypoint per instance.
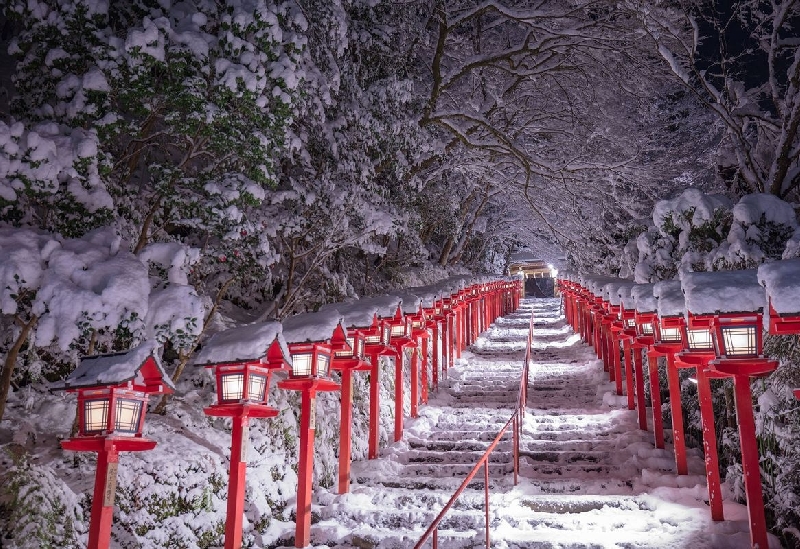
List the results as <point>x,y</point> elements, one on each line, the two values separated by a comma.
<point>589,477</point>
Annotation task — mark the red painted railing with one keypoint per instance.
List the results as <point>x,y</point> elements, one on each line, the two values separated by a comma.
<point>515,422</point>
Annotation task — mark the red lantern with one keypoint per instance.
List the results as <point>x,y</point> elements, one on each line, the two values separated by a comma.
<point>112,400</point>
<point>242,360</point>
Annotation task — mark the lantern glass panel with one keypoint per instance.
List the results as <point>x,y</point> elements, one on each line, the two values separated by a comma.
<point>95,415</point>
<point>232,387</point>
<point>323,362</point>
<point>128,412</point>
<point>372,339</point>
<point>670,334</point>
<point>301,365</point>
<point>256,387</point>
<point>739,340</point>
<point>646,328</point>
<point>398,330</point>
<point>386,335</point>
<point>699,340</point>
<point>630,323</point>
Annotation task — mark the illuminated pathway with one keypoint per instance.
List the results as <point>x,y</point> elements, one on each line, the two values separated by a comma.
<point>589,477</point>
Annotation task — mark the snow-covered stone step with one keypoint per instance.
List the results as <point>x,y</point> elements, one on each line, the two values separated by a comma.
<point>454,469</point>
<point>569,445</point>
<point>460,457</point>
<point>564,435</point>
<point>549,485</point>
<point>566,456</point>
<point>438,483</point>
<point>458,445</point>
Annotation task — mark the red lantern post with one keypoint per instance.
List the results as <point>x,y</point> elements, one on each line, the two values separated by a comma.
<point>645,317</point>
<point>112,401</point>
<point>737,330</point>
<point>376,345</point>
<point>400,339</point>
<point>698,352</point>
<point>242,360</point>
<point>309,374</point>
<point>668,341</point>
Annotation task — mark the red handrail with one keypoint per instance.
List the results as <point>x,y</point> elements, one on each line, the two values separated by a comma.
<point>515,421</point>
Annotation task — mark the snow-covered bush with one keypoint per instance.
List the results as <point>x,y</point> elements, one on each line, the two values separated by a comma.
<point>685,229</point>
<point>762,226</point>
<point>44,511</point>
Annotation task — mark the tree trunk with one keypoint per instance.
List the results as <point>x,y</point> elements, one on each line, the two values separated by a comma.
<point>11,361</point>
<point>445,255</point>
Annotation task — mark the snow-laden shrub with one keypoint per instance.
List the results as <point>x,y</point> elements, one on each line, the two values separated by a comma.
<point>762,226</point>
<point>685,229</point>
<point>43,513</point>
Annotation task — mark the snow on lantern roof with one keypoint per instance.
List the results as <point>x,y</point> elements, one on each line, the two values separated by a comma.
<point>140,365</point>
<point>570,276</point>
<point>670,298</point>
<point>596,283</point>
<point>613,291</point>
<point>723,292</point>
<point>311,327</point>
<point>242,344</point>
<point>782,282</point>
<point>428,295</point>
<point>643,299</point>
<point>625,298</point>
<point>355,314</point>
<point>411,303</point>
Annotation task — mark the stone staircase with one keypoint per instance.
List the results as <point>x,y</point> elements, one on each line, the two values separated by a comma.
<point>588,477</point>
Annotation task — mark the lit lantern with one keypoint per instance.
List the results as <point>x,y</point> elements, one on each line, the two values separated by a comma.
<point>309,374</point>
<point>697,340</point>
<point>668,330</point>
<point>112,399</point>
<point>242,361</point>
<point>400,324</point>
<point>617,335</point>
<point>668,341</point>
<point>781,279</point>
<point>348,357</point>
<point>634,361</point>
<point>645,325</point>
<point>738,335</point>
<point>363,315</point>
<point>310,361</point>
<point>419,335</point>
<point>736,330</point>
<point>698,351</point>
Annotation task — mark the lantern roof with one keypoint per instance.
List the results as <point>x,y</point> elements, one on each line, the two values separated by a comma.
<point>723,292</point>
<point>612,290</point>
<point>624,295</point>
<point>140,365</point>
<point>311,327</point>
<point>411,303</point>
<point>670,298</point>
<point>566,275</point>
<point>782,281</point>
<point>596,283</point>
<point>643,299</point>
<point>427,295</point>
<point>361,313</point>
<point>247,343</point>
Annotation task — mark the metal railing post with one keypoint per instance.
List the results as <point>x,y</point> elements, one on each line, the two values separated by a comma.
<point>486,488</point>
